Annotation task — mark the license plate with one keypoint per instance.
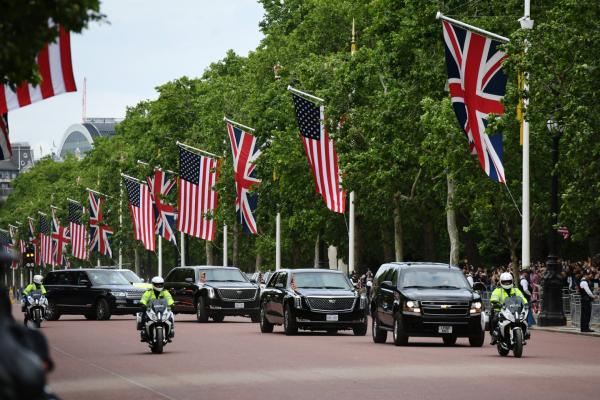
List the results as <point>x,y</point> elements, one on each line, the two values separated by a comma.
<point>239,305</point>
<point>331,317</point>
<point>444,329</point>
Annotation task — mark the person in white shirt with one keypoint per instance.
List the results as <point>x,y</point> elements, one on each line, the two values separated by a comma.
<point>586,302</point>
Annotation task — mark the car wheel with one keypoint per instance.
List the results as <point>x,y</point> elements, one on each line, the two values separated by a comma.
<point>332,331</point>
<point>255,317</point>
<point>400,338</point>
<point>218,318</point>
<point>51,313</point>
<point>265,325</point>
<point>201,313</point>
<point>449,340</point>
<point>478,340</point>
<point>360,330</point>
<point>90,317</point>
<point>379,335</point>
<point>290,326</point>
<point>102,310</point>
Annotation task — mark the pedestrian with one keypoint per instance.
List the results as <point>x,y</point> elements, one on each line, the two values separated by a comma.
<point>525,286</point>
<point>587,297</point>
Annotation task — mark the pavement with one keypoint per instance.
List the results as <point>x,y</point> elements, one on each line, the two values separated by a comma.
<point>232,360</point>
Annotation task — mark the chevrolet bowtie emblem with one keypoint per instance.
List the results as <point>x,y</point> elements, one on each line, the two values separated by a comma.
<point>332,301</point>
<point>445,306</point>
<point>239,292</point>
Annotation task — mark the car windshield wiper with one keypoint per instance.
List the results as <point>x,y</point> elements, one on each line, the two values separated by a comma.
<point>334,287</point>
<point>416,287</point>
<point>310,287</point>
<point>445,287</point>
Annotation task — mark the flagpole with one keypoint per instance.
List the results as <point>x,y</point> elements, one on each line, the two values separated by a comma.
<point>304,94</point>
<point>224,245</point>
<point>489,34</point>
<point>120,222</point>
<point>187,147</point>
<point>182,241</point>
<point>278,241</point>
<point>159,255</point>
<point>351,236</point>
<point>238,124</point>
<point>526,23</point>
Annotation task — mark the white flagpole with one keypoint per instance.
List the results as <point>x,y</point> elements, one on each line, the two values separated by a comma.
<point>278,241</point>
<point>351,236</point>
<point>224,245</point>
<point>159,255</point>
<point>182,247</point>
<point>526,23</point>
<point>121,221</point>
<point>21,277</point>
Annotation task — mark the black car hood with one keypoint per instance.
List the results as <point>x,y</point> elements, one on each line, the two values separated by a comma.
<point>326,292</point>
<point>241,285</point>
<point>440,294</point>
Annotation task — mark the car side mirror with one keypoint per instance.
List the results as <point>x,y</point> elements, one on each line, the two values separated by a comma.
<point>189,280</point>
<point>387,285</point>
<point>252,280</point>
<point>85,282</point>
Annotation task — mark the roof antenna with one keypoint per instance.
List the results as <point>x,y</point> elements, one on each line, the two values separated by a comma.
<point>84,99</point>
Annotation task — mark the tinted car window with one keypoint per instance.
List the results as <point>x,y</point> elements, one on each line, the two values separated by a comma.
<point>271,282</point>
<point>50,279</point>
<point>172,276</point>
<point>318,280</point>
<point>65,278</point>
<point>281,279</point>
<point>380,274</point>
<point>130,276</point>
<point>434,278</point>
<point>107,278</point>
<point>223,275</point>
<point>188,273</point>
<point>80,276</point>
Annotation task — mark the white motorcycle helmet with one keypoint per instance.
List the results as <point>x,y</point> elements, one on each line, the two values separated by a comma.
<point>158,283</point>
<point>506,280</point>
<point>37,279</point>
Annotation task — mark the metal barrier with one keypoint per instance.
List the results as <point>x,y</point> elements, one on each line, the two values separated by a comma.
<point>575,310</point>
<point>566,297</point>
<point>485,299</point>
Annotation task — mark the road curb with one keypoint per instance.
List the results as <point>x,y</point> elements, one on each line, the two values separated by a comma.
<point>565,330</point>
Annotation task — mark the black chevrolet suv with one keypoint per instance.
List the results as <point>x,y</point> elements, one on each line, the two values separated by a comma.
<point>213,292</point>
<point>425,299</point>
<point>312,299</point>
<point>95,293</point>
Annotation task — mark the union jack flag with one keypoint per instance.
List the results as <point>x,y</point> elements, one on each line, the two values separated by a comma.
<point>5,149</point>
<point>477,86</point>
<point>60,238</point>
<point>13,230</point>
<point>33,240</point>
<point>245,153</point>
<point>165,213</point>
<point>99,234</point>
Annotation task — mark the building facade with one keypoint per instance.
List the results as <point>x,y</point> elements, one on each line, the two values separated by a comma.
<point>22,160</point>
<point>78,138</point>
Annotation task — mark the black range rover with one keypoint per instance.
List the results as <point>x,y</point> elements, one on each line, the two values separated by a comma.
<point>212,292</point>
<point>95,293</point>
<point>312,299</point>
<point>425,299</point>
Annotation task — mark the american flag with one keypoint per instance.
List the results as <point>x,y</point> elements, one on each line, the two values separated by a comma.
<point>56,71</point>
<point>142,212</point>
<point>5,148</point>
<point>34,241</point>
<point>477,86</point>
<point>45,241</point>
<point>60,238</point>
<point>13,230</point>
<point>165,213</point>
<point>99,234</point>
<point>321,153</point>
<point>245,152</point>
<point>79,244</point>
<point>197,199</point>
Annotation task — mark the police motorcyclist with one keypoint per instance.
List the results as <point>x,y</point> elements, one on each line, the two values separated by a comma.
<point>33,286</point>
<point>155,293</point>
<point>499,295</point>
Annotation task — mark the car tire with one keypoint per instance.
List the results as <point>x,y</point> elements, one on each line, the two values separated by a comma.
<point>102,311</point>
<point>360,330</point>
<point>290,326</point>
<point>265,325</point>
<point>332,331</point>
<point>255,317</point>
<point>51,313</point>
<point>478,340</point>
<point>201,312</point>
<point>398,334</point>
<point>379,335</point>
<point>218,318</point>
<point>449,340</point>
<point>90,316</point>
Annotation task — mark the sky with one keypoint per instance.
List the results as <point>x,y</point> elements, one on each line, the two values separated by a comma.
<point>144,44</point>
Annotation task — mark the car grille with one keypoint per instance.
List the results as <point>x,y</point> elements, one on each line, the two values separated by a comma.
<point>444,308</point>
<point>237,294</point>
<point>326,304</point>
<point>134,294</point>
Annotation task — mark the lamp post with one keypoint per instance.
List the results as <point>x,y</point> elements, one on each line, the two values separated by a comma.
<point>552,305</point>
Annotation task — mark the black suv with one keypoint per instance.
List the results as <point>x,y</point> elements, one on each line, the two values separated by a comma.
<point>425,299</point>
<point>95,293</point>
<point>312,299</point>
<point>213,292</point>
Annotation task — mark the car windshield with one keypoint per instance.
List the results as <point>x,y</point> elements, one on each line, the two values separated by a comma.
<point>321,280</point>
<point>223,275</point>
<point>433,278</point>
<point>107,278</point>
<point>131,276</point>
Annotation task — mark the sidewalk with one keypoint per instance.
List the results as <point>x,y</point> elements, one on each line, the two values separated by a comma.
<point>568,328</point>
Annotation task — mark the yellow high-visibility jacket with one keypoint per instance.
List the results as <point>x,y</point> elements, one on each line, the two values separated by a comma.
<point>32,287</point>
<point>149,295</point>
<point>500,294</point>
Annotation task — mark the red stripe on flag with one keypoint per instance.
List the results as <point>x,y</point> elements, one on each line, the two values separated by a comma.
<point>65,60</point>
<point>44,66</point>
<point>23,94</point>
<point>3,105</point>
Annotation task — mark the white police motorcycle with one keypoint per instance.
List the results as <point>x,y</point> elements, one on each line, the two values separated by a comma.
<point>157,329</point>
<point>512,327</point>
<point>35,308</point>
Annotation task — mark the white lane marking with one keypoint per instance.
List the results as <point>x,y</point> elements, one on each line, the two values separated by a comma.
<point>98,384</point>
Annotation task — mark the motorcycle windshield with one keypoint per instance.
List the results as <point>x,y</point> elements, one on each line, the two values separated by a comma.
<point>514,304</point>
<point>36,294</point>
<point>159,305</point>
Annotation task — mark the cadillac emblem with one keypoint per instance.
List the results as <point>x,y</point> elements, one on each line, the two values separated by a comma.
<point>332,301</point>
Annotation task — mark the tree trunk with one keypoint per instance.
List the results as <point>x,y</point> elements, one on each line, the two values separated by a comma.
<point>210,259</point>
<point>451,221</point>
<point>388,252</point>
<point>429,240</point>
<point>136,261</point>
<point>236,245</point>
<point>316,260</point>
<point>398,233</point>
<point>258,263</point>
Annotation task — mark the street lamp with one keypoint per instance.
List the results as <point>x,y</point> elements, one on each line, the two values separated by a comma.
<point>552,304</point>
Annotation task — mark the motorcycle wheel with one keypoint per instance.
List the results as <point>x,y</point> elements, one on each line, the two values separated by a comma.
<point>501,350</point>
<point>518,343</point>
<point>157,346</point>
<point>51,314</point>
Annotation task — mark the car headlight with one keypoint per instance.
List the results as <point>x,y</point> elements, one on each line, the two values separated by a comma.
<point>119,294</point>
<point>297,302</point>
<point>412,306</point>
<point>476,307</point>
<point>211,292</point>
<point>363,301</point>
